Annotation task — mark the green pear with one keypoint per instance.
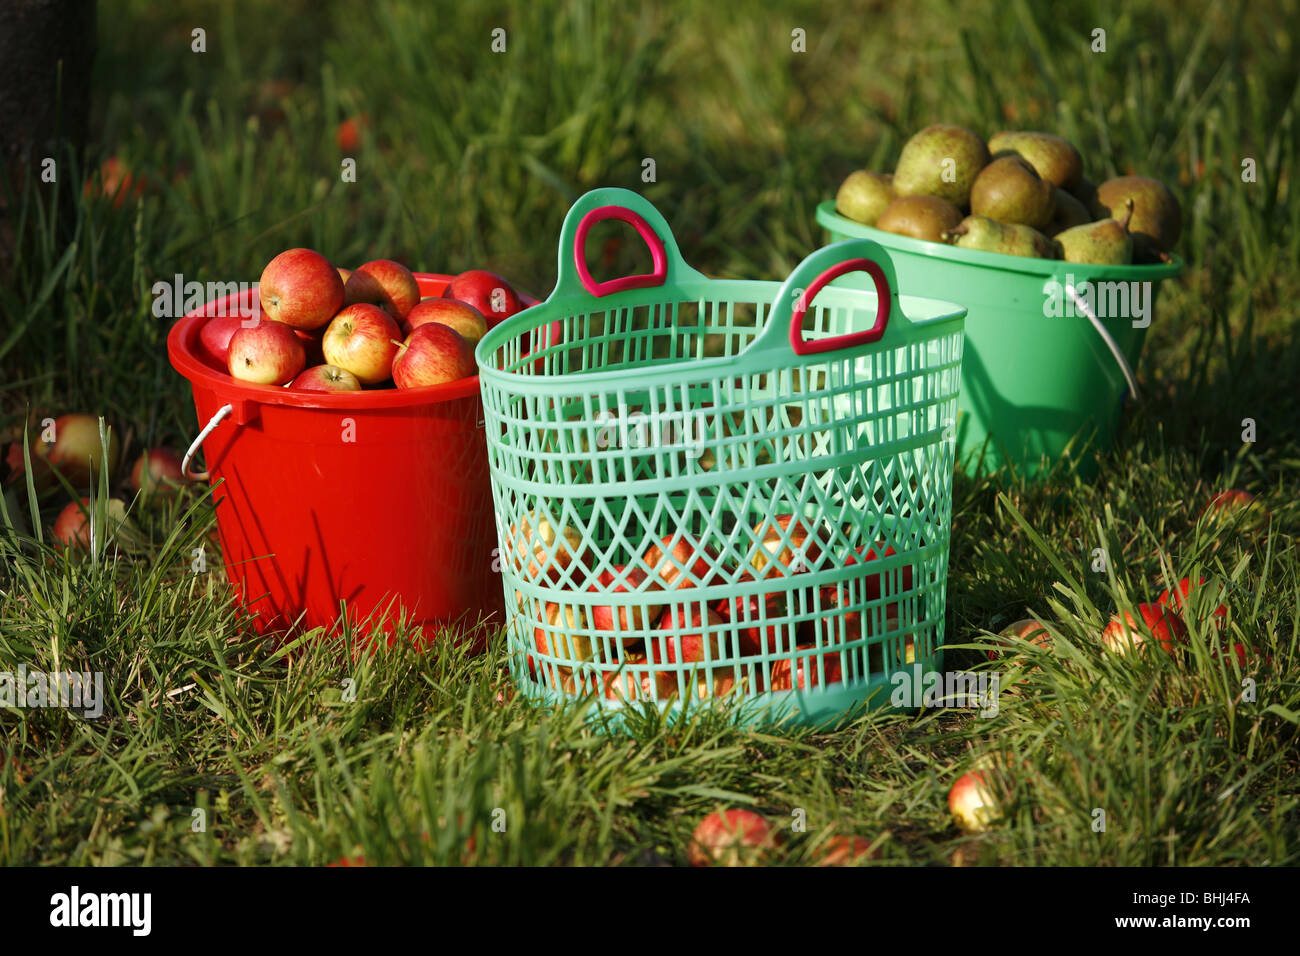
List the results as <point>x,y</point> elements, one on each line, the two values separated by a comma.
<point>864,195</point>
<point>1068,214</point>
<point>1053,158</point>
<point>941,161</point>
<point>1157,218</point>
<point>921,217</point>
<point>987,235</point>
<point>1010,191</point>
<point>1106,242</point>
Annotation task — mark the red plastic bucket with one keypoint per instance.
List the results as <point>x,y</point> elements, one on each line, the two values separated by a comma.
<point>375,503</point>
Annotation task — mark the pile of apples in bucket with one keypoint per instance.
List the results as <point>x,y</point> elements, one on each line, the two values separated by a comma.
<point>327,329</point>
<point>689,631</point>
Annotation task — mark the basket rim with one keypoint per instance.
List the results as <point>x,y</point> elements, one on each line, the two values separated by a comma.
<point>952,317</point>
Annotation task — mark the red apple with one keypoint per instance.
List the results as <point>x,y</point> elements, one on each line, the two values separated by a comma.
<point>972,803</point>
<point>732,838</point>
<point>807,672</point>
<point>326,378</point>
<point>719,682</point>
<point>312,347</point>
<point>433,354</point>
<point>487,292</point>
<point>673,555</point>
<point>752,616</point>
<point>72,526</point>
<point>682,637</point>
<point>362,340</point>
<point>1159,624</point>
<point>537,551</point>
<point>345,274</point>
<point>465,319</point>
<point>617,616</point>
<point>383,283</point>
<point>300,288</point>
<point>13,461</point>
<point>1028,629</point>
<point>1178,600</point>
<point>268,353</point>
<point>573,645</point>
<point>1231,500</point>
<point>116,181</point>
<point>76,450</point>
<point>214,338</point>
<point>845,851</point>
<point>800,551</point>
<point>348,134</point>
<point>157,471</point>
<point>874,582</point>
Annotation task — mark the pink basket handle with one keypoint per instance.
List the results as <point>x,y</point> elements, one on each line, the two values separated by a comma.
<point>873,334</point>
<point>656,277</point>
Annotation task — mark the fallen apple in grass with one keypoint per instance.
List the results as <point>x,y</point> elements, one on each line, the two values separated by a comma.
<point>433,354</point>
<point>268,353</point>
<point>383,283</point>
<point>362,339</point>
<point>326,378</point>
<point>157,472</point>
<point>75,449</point>
<point>487,292</point>
<point>1178,600</point>
<point>72,526</point>
<point>845,851</point>
<point>1027,629</point>
<point>1159,625</point>
<point>787,541</point>
<point>732,838</point>
<point>972,803</point>
<point>1237,507</point>
<point>300,288</point>
<point>465,319</point>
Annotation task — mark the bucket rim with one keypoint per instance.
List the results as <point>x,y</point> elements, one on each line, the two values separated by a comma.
<point>183,334</point>
<point>828,217</point>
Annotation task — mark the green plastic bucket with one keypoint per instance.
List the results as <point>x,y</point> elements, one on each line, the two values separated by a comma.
<point>716,490</point>
<point>1040,381</point>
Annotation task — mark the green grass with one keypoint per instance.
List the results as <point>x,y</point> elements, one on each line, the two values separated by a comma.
<point>470,159</point>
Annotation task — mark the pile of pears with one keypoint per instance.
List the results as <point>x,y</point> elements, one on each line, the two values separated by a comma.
<point>1020,194</point>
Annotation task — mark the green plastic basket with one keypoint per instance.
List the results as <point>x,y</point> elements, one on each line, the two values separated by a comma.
<point>1036,387</point>
<point>674,412</point>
